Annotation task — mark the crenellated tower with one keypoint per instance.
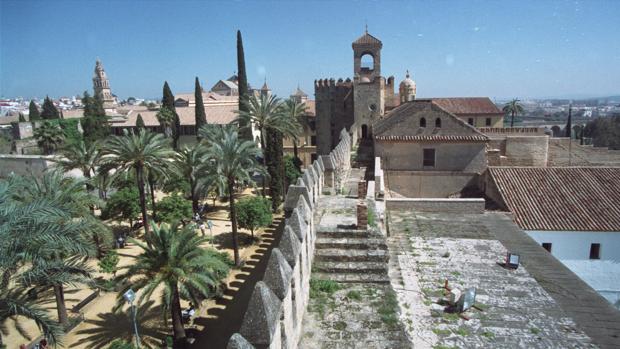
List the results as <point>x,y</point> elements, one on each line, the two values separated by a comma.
<point>101,86</point>
<point>334,111</point>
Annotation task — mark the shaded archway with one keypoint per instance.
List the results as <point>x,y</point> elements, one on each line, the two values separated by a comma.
<point>364,131</point>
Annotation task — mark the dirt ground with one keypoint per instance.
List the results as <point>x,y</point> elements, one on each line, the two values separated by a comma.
<point>101,325</point>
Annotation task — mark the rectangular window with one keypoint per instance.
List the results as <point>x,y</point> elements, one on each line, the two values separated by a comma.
<point>488,122</point>
<point>429,158</point>
<point>313,140</point>
<point>595,251</point>
<point>547,246</point>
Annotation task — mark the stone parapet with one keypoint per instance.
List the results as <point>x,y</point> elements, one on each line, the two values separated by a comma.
<point>273,318</point>
<point>437,205</point>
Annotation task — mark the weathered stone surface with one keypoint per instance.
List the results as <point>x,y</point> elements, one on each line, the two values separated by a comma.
<point>319,161</point>
<point>290,246</point>
<point>328,162</point>
<point>304,209</point>
<point>278,274</point>
<point>293,195</point>
<point>261,318</point>
<point>238,342</point>
<point>297,224</point>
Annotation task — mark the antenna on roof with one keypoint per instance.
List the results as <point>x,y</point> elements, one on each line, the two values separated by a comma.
<point>366,25</point>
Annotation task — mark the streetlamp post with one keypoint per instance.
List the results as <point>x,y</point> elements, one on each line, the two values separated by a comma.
<point>130,296</point>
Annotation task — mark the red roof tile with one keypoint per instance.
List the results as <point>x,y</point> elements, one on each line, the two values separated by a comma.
<point>561,198</point>
<point>468,105</point>
<point>367,39</point>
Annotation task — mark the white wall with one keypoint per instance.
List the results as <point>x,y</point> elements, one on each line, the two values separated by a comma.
<point>572,248</point>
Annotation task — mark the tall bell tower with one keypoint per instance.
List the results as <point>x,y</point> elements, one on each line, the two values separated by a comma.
<point>368,84</point>
<point>101,86</point>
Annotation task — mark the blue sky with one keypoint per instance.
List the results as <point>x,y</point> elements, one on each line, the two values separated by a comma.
<point>499,49</point>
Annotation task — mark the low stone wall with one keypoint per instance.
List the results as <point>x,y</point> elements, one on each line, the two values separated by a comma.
<point>526,151</point>
<point>437,205</point>
<point>274,315</point>
<point>23,165</point>
<point>379,179</point>
<point>428,184</point>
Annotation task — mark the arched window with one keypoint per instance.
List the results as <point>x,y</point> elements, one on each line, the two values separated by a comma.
<point>438,122</point>
<point>368,61</point>
<point>422,122</point>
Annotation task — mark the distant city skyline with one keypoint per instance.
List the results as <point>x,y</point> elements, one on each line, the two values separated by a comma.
<point>452,48</point>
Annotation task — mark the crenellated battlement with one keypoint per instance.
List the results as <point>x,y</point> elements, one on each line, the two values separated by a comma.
<point>322,85</point>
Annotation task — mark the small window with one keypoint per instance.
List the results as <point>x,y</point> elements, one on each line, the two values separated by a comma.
<point>595,251</point>
<point>429,158</point>
<point>423,122</point>
<point>470,121</point>
<point>487,122</point>
<point>313,157</point>
<point>313,140</point>
<point>547,246</point>
<point>438,122</point>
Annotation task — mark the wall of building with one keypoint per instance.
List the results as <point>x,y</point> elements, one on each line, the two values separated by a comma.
<point>334,111</point>
<point>23,165</point>
<point>428,184</point>
<point>467,157</point>
<point>481,120</point>
<point>526,151</point>
<point>572,248</point>
<point>436,205</point>
<point>369,104</point>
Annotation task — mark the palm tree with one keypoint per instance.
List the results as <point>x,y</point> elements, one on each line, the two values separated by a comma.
<point>514,108</point>
<point>192,164</point>
<point>295,112</point>
<point>49,137</point>
<point>265,114</point>
<point>43,229</point>
<point>166,118</point>
<point>143,152</point>
<point>82,156</point>
<point>234,159</point>
<point>175,265</point>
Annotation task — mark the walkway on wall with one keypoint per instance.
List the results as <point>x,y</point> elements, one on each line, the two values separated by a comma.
<point>351,301</point>
<point>222,322</point>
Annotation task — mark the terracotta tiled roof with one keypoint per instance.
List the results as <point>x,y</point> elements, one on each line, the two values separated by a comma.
<point>367,39</point>
<point>442,138</point>
<point>561,198</point>
<point>468,105</point>
<point>216,114</point>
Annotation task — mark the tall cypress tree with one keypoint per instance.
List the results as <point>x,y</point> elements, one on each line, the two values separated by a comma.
<point>201,116</point>
<point>168,102</point>
<point>33,112</point>
<point>569,123</point>
<point>94,123</point>
<point>140,123</point>
<point>49,110</point>
<point>244,132</point>
<point>275,167</point>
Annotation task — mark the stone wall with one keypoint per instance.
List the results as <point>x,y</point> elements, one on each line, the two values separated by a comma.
<point>337,164</point>
<point>273,318</point>
<point>23,164</point>
<point>428,184</point>
<point>437,205</point>
<point>526,151</point>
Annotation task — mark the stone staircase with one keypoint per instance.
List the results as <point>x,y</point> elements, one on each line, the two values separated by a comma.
<point>352,256</point>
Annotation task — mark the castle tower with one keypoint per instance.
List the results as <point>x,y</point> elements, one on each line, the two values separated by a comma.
<point>406,90</point>
<point>299,96</point>
<point>101,86</point>
<point>368,84</point>
<point>265,90</point>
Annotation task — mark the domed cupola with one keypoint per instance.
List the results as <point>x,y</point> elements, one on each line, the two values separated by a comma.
<point>406,89</point>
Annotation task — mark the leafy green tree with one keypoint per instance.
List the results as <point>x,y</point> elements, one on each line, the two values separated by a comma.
<point>175,266</point>
<point>201,116</point>
<point>605,132</point>
<point>33,112</point>
<point>291,169</point>
<point>296,113</point>
<point>123,204</point>
<point>166,118</point>
<point>174,208</point>
<point>168,102</point>
<point>140,153</point>
<point>254,212</point>
<point>49,137</point>
<point>131,100</point>
<point>234,159</point>
<point>109,262</point>
<point>82,156</point>
<point>192,164</point>
<point>49,110</point>
<point>21,118</point>
<point>513,108</point>
<point>140,122</point>
<point>245,131</point>
<point>94,123</point>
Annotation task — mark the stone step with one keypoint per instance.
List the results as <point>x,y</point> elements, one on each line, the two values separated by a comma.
<point>351,244</point>
<point>376,278</point>
<point>340,255</point>
<point>351,267</point>
<point>348,233</point>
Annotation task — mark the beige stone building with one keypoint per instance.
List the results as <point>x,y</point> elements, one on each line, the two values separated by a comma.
<point>101,87</point>
<point>306,144</point>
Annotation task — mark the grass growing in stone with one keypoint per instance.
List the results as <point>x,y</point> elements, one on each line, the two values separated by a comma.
<point>441,332</point>
<point>534,330</point>
<point>372,216</point>
<point>388,308</point>
<point>322,290</point>
<point>462,331</point>
<point>354,295</point>
<point>489,335</point>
